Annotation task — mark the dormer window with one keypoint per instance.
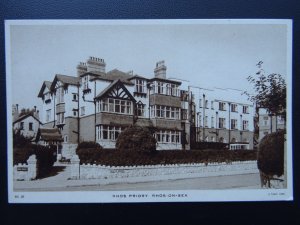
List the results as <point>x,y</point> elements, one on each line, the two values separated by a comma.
<point>47,98</point>
<point>160,87</point>
<point>140,86</point>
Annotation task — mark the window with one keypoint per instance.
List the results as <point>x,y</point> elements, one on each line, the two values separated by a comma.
<point>85,82</point>
<point>47,98</point>
<point>233,107</point>
<point>140,86</point>
<point>48,115</point>
<point>160,87</point>
<point>173,90</point>
<point>30,126</point>
<point>105,132</point>
<point>140,109</point>
<point>212,122</point>
<point>265,120</point>
<point>222,106</point>
<point>245,109</point>
<point>82,111</point>
<point>75,98</point>
<point>60,95</point>
<point>167,112</point>
<point>66,138</point>
<point>221,122</point>
<point>114,106</point>
<point>233,124</point>
<point>22,126</point>
<point>212,104</point>
<point>205,121</point>
<point>167,136</point>
<point>74,113</point>
<point>60,118</point>
<point>200,103</point>
<point>245,125</point>
<point>206,104</point>
<point>184,114</point>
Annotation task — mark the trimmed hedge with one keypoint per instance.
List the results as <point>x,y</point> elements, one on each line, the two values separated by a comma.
<point>131,158</point>
<point>88,144</point>
<point>209,145</point>
<point>270,159</point>
<point>136,139</point>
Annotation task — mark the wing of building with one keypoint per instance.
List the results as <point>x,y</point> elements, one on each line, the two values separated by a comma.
<point>96,105</point>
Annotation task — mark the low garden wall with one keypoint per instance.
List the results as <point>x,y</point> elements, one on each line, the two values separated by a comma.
<point>157,172</point>
<point>23,171</point>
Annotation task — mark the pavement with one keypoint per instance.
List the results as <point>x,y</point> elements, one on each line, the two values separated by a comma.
<point>61,182</point>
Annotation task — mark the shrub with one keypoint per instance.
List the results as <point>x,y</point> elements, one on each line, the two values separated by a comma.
<point>270,158</point>
<point>46,157</point>
<point>138,139</point>
<point>89,151</point>
<point>19,140</point>
<point>88,144</point>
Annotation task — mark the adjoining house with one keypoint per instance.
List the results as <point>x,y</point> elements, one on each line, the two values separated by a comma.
<point>269,123</point>
<point>97,106</point>
<point>26,122</point>
<point>50,136</point>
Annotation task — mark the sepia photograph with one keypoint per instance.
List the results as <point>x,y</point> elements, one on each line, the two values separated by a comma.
<point>149,110</point>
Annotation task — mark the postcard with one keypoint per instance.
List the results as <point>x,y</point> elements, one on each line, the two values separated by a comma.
<point>104,111</point>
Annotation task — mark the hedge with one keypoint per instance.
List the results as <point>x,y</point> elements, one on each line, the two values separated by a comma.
<point>45,155</point>
<point>270,158</point>
<point>128,158</point>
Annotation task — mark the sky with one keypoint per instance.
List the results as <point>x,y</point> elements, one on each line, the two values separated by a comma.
<point>206,54</point>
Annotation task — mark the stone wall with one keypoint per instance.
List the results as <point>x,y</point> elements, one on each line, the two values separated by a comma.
<point>26,171</point>
<point>160,172</point>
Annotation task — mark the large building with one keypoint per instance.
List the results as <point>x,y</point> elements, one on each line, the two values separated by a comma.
<point>97,106</point>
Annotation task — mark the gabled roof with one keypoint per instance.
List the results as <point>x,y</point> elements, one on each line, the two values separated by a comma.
<point>65,79</point>
<point>139,77</point>
<point>25,116</point>
<point>116,90</point>
<point>48,134</point>
<point>46,84</point>
<point>112,76</point>
<point>166,80</point>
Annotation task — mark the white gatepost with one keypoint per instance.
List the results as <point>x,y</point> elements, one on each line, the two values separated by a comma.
<point>75,167</point>
<point>32,168</point>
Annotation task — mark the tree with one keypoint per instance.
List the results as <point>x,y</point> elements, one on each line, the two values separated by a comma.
<point>136,138</point>
<point>270,91</point>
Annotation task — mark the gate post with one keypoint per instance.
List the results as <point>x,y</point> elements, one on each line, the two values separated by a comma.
<point>32,170</point>
<point>75,167</point>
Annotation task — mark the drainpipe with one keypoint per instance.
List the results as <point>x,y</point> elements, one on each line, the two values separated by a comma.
<point>204,105</point>
<point>54,108</point>
<point>78,118</point>
<point>217,134</point>
<point>229,123</point>
<point>95,118</point>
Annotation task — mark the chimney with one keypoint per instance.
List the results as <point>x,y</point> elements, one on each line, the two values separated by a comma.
<point>130,72</point>
<point>95,64</point>
<point>160,70</point>
<point>37,114</point>
<point>15,113</point>
<point>81,68</point>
